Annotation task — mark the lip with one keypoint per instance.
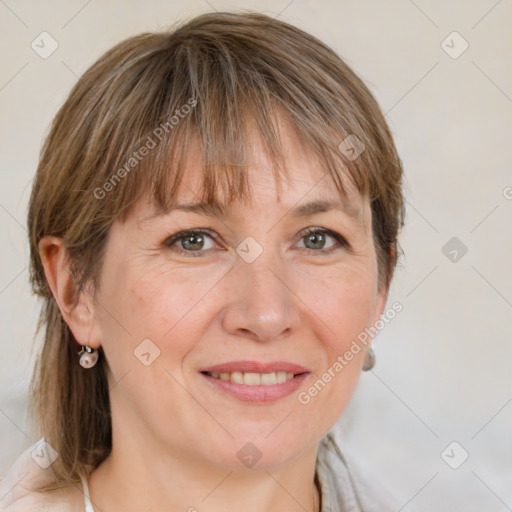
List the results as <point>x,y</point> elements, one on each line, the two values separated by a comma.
<point>255,367</point>
<point>257,394</point>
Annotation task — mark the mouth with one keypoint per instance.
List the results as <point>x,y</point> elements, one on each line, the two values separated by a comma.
<point>254,382</point>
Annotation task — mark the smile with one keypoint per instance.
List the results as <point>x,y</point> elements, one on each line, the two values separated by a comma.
<point>255,382</point>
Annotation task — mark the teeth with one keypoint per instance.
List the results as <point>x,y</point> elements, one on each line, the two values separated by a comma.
<point>268,379</point>
<point>252,379</point>
<point>237,377</point>
<point>281,377</point>
<point>255,379</point>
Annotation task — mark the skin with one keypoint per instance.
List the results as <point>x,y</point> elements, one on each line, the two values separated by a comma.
<point>176,437</point>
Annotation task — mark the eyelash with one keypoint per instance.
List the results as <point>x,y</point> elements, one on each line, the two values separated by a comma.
<point>341,242</point>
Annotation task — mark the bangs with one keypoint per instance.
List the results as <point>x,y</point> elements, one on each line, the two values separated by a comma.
<point>225,159</point>
<point>218,98</point>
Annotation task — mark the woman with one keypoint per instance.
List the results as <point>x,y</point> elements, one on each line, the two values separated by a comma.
<point>213,226</point>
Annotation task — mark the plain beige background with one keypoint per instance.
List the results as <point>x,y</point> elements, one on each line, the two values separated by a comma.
<point>444,364</point>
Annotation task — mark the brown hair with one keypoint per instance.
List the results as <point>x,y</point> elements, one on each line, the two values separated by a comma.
<point>235,73</point>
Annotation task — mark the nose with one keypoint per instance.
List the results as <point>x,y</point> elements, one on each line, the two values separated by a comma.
<point>263,305</point>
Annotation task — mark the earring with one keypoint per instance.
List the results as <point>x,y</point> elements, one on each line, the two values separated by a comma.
<point>88,357</point>
<point>369,360</point>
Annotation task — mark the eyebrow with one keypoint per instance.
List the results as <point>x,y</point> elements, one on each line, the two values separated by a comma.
<point>321,206</point>
<point>221,212</point>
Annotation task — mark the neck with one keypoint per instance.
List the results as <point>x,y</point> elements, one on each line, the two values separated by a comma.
<point>146,480</point>
<point>143,472</point>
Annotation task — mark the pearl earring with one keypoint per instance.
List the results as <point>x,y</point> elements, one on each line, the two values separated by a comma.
<point>369,360</point>
<point>88,357</point>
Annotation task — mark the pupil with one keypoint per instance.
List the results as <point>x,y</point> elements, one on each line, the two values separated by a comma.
<point>192,237</point>
<point>317,239</point>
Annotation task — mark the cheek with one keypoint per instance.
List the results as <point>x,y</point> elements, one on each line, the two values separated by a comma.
<point>349,307</point>
<point>344,302</point>
<point>166,306</point>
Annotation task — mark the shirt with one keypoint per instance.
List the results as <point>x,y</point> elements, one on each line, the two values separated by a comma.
<point>344,484</point>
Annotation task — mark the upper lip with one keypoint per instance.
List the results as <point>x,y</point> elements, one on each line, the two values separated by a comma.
<point>255,367</point>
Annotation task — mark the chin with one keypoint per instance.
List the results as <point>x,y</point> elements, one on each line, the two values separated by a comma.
<point>259,452</point>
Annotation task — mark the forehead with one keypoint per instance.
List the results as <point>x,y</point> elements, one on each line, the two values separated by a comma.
<point>305,187</point>
<point>307,190</point>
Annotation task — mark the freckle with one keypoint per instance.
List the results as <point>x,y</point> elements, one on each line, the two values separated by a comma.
<point>137,294</point>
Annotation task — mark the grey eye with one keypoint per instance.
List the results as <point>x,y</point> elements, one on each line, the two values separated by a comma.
<point>190,241</point>
<point>317,239</point>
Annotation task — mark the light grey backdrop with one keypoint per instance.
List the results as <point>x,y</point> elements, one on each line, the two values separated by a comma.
<point>444,364</point>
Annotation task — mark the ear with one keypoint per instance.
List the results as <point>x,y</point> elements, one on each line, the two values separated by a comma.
<point>77,309</point>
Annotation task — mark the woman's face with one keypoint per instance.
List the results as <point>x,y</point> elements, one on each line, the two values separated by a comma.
<point>251,294</point>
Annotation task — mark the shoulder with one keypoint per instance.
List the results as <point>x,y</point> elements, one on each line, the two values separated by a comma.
<point>348,484</point>
<point>19,488</point>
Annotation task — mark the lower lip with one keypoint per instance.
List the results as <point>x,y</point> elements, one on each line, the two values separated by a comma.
<point>258,394</point>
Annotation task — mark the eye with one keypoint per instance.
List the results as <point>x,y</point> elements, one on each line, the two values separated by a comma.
<point>190,242</point>
<point>315,239</point>
<point>196,241</point>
